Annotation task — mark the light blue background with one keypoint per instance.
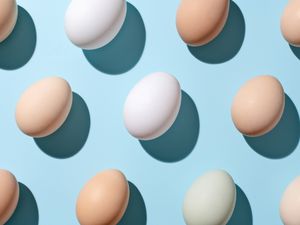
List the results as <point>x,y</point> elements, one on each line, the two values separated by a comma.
<point>55,183</point>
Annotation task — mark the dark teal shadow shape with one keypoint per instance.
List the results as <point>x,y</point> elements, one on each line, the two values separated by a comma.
<point>136,213</point>
<point>179,141</point>
<point>18,48</point>
<point>228,43</point>
<point>295,50</point>
<point>27,212</point>
<point>70,138</point>
<point>283,139</point>
<point>125,50</point>
<point>242,214</point>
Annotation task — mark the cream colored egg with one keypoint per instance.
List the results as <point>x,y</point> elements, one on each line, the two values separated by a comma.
<point>200,21</point>
<point>104,199</point>
<point>8,17</point>
<point>44,107</point>
<point>258,105</point>
<point>9,195</point>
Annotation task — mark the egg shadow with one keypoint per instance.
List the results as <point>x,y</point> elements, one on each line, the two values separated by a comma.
<point>179,141</point>
<point>27,210</point>
<point>125,50</point>
<point>70,138</point>
<point>18,48</point>
<point>296,51</point>
<point>242,213</point>
<point>283,139</point>
<point>136,212</point>
<point>228,43</point>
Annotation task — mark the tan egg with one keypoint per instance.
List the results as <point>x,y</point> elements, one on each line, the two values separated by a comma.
<point>8,17</point>
<point>258,106</point>
<point>9,195</point>
<point>200,21</point>
<point>44,107</point>
<point>290,23</point>
<point>104,199</point>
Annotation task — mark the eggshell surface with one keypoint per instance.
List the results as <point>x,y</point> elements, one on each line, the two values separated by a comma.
<point>258,105</point>
<point>210,200</point>
<point>9,195</point>
<point>104,199</point>
<point>91,24</point>
<point>200,21</point>
<point>44,107</point>
<point>152,106</point>
<point>8,17</point>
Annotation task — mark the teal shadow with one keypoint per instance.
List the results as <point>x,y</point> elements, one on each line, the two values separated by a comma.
<point>18,48</point>
<point>295,50</point>
<point>125,50</point>
<point>70,138</point>
<point>135,213</point>
<point>283,139</point>
<point>228,43</point>
<point>179,141</point>
<point>242,214</point>
<point>27,212</point>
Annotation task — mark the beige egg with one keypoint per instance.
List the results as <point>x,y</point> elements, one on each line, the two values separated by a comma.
<point>258,106</point>
<point>44,107</point>
<point>9,195</point>
<point>290,204</point>
<point>8,17</point>
<point>200,21</point>
<point>290,22</point>
<point>104,199</point>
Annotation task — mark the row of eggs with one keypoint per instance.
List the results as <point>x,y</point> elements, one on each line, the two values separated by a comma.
<point>91,24</point>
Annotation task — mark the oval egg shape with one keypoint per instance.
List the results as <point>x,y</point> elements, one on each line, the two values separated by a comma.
<point>9,195</point>
<point>8,17</point>
<point>200,21</point>
<point>91,24</point>
<point>104,199</point>
<point>152,106</point>
<point>44,107</point>
<point>210,200</point>
<point>258,106</point>
<point>290,23</point>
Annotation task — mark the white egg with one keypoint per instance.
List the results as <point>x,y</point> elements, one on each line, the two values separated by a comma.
<point>210,200</point>
<point>152,106</point>
<point>91,24</point>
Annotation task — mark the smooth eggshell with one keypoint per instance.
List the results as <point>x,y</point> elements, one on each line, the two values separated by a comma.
<point>200,21</point>
<point>91,24</point>
<point>8,17</point>
<point>210,200</point>
<point>9,195</point>
<point>258,106</point>
<point>152,106</point>
<point>44,107</point>
<point>290,23</point>
<point>104,199</point>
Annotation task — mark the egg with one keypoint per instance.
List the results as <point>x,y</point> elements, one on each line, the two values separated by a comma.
<point>8,17</point>
<point>258,106</point>
<point>44,107</point>
<point>91,24</point>
<point>152,106</point>
<point>9,195</point>
<point>290,23</point>
<point>210,200</point>
<point>200,21</point>
<point>104,199</point>
<point>290,204</point>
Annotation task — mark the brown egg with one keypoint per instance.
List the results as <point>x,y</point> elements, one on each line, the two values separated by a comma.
<point>104,199</point>
<point>258,106</point>
<point>44,107</point>
<point>9,195</point>
<point>290,23</point>
<point>200,21</point>
<point>8,17</point>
